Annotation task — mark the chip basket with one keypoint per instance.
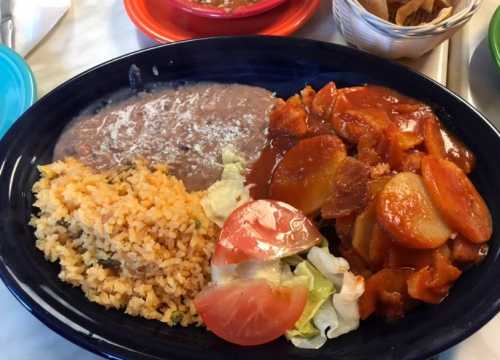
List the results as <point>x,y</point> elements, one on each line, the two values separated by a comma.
<point>368,32</point>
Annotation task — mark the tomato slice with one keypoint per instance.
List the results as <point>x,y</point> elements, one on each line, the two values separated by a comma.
<point>250,312</point>
<point>457,199</point>
<point>264,230</point>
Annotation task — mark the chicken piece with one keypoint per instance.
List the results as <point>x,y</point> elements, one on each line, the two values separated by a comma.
<point>304,178</point>
<point>406,212</point>
<point>464,252</point>
<point>386,293</point>
<point>371,148</point>
<point>352,123</point>
<point>399,257</point>
<point>307,95</point>
<point>412,161</point>
<point>324,100</point>
<point>295,100</point>
<point>432,283</point>
<point>350,190</point>
<point>289,119</point>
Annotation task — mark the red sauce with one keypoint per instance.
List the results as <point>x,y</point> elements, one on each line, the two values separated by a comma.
<point>386,133</point>
<point>261,172</point>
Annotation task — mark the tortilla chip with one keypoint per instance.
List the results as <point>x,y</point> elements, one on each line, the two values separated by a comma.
<point>428,5</point>
<point>443,14</point>
<point>376,7</point>
<point>406,10</point>
<point>445,3</point>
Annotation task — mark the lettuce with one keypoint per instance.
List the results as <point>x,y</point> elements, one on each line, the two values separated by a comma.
<point>326,316</point>
<point>332,267</point>
<point>320,289</point>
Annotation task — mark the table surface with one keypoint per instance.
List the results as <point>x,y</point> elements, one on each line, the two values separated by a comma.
<point>94,31</point>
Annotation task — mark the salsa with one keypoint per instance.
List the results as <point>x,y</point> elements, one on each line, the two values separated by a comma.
<point>380,170</point>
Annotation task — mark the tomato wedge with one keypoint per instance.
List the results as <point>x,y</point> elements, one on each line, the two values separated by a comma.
<point>457,199</point>
<point>264,230</point>
<point>250,312</point>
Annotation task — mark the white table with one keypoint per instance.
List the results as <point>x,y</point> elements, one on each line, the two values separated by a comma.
<point>94,31</point>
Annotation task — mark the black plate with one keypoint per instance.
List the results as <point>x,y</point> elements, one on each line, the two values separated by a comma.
<point>283,65</point>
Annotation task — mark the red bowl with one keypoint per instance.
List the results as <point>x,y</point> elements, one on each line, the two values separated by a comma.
<point>212,12</point>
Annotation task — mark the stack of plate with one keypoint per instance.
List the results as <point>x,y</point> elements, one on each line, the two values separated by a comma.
<point>17,87</point>
<point>174,20</point>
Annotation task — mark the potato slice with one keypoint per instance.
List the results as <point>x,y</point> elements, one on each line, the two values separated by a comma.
<point>380,245</point>
<point>304,178</point>
<point>457,199</point>
<point>362,232</point>
<point>406,212</point>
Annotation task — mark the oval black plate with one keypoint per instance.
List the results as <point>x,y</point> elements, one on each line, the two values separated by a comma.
<point>283,65</point>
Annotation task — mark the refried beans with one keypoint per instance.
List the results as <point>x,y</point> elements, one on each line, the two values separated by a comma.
<point>185,127</point>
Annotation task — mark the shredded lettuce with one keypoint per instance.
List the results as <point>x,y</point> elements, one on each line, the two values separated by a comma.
<point>320,289</point>
<point>333,315</point>
<point>330,266</point>
<point>346,305</point>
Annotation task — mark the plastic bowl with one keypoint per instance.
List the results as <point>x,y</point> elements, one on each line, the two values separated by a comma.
<point>213,12</point>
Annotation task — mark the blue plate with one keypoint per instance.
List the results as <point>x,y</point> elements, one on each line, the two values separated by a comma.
<point>283,65</point>
<point>17,86</point>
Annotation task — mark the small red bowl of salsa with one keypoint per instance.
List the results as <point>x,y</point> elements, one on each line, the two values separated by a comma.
<point>226,9</point>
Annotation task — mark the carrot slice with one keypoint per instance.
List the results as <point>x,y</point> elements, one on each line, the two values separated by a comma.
<point>457,199</point>
<point>406,212</point>
<point>441,144</point>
